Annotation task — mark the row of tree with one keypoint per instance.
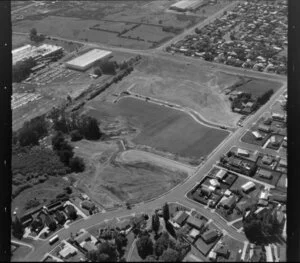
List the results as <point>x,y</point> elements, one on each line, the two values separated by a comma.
<point>77,126</point>
<point>66,154</point>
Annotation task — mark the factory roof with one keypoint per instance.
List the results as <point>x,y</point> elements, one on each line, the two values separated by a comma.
<point>89,57</point>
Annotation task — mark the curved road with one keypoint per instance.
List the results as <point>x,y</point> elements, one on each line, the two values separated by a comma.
<point>177,194</point>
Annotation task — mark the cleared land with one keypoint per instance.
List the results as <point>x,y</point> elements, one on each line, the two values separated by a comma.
<point>162,128</point>
<point>19,253</point>
<point>135,156</point>
<point>187,85</point>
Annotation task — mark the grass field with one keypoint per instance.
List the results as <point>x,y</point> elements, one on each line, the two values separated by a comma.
<point>20,253</point>
<point>234,246</point>
<point>187,85</point>
<point>162,128</point>
<point>42,192</point>
<point>73,20</point>
<point>258,87</point>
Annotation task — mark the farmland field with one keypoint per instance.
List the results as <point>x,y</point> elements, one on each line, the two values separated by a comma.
<point>74,20</point>
<point>162,128</point>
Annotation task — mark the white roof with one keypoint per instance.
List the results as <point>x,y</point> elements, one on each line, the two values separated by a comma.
<point>220,174</point>
<point>248,185</point>
<point>89,57</point>
<point>256,134</point>
<point>194,232</point>
<point>184,4</point>
<point>214,182</point>
<point>68,250</point>
<point>242,151</point>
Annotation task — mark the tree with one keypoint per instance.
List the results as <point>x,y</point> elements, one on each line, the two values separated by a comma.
<point>88,126</point>
<point>28,137</point>
<point>107,249</point>
<point>170,255</point>
<point>150,258</point>
<point>17,228</point>
<point>170,229</point>
<point>33,34</point>
<point>77,164</point>
<point>181,247</point>
<point>57,140</point>
<point>98,71</point>
<point>120,241</point>
<point>161,244</point>
<point>144,246</point>
<point>76,136</point>
<point>155,223</point>
<point>108,67</point>
<point>166,213</point>
<point>52,226</point>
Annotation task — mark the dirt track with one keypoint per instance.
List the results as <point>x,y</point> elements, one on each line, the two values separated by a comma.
<point>134,156</point>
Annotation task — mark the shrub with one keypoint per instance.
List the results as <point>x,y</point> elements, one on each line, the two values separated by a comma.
<point>32,203</point>
<point>76,136</point>
<point>77,164</point>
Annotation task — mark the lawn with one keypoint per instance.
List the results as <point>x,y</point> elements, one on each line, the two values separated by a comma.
<point>234,246</point>
<point>20,253</point>
<point>248,137</point>
<point>258,87</point>
<point>162,127</point>
<point>272,181</point>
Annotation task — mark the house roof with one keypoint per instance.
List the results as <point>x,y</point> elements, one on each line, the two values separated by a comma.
<point>195,222</point>
<point>89,246</point>
<point>180,217</point>
<point>264,173</point>
<point>88,205</point>
<point>83,237</point>
<point>209,235</point>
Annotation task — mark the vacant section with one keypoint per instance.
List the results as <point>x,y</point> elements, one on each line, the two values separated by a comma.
<point>163,128</point>
<point>185,84</point>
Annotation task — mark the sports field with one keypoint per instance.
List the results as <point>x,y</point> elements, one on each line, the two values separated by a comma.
<point>162,128</point>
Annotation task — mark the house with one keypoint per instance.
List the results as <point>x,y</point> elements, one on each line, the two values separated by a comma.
<point>247,187</point>
<point>220,174</point>
<point>264,128</point>
<point>212,256</point>
<point>228,202</point>
<point>195,222</point>
<point>278,198</point>
<point>85,236</point>
<point>268,121</point>
<point>227,193</point>
<point>88,246</point>
<point>229,179</point>
<point>262,202</point>
<point>222,251</point>
<point>68,251</point>
<point>264,195</point>
<point>210,236</point>
<point>26,220</point>
<point>191,258</point>
<point>88,205</point>
<point>214,183</point>
<point>205,191</point>
<point>242,152</point>
<point>54,207</point>
<point>69,209</point>
<point>257,135</point>
<point>264,174</point>
<point>180,218</point>
<point>267,160</point>
<point>274,141</point>
<point>194,233</point>
<point>60,218</point>
<point>37,225</point>
<point>283,163</point>
<point>278,116</point>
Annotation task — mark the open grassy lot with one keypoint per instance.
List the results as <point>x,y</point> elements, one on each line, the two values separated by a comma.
<point>19,253</point>
<point>43,192</point>
<point>258,87</point>
<point>184,84</point>
<point>162,127</point>
<point>19,40</point>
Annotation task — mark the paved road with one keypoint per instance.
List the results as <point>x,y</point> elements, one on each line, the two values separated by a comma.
<point>178,194</point>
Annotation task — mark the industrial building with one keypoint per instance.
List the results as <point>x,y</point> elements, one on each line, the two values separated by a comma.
<point>88,59</point>
<point>187,5</point>
<point>37,53</point>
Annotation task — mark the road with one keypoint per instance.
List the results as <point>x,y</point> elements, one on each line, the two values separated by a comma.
<point>178,193</point>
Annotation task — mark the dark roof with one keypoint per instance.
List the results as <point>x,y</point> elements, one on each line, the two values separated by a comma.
<point>264,173</point>
<point>210,236</point>
<point>87,205</point>
<point>69,209</point>
<point>229,179</point>
<point>195,222</point>
<point>180,217</point>
<point>222,251</point>
<point>49,220</point>
<point>229,202</point>
<point>278,198</point>
<point>59,216</point>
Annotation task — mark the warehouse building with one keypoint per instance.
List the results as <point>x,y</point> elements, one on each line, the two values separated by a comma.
<point>187,5</point>
<point>88,59</point>
<point>37,53</point>
<point>247,187</point>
